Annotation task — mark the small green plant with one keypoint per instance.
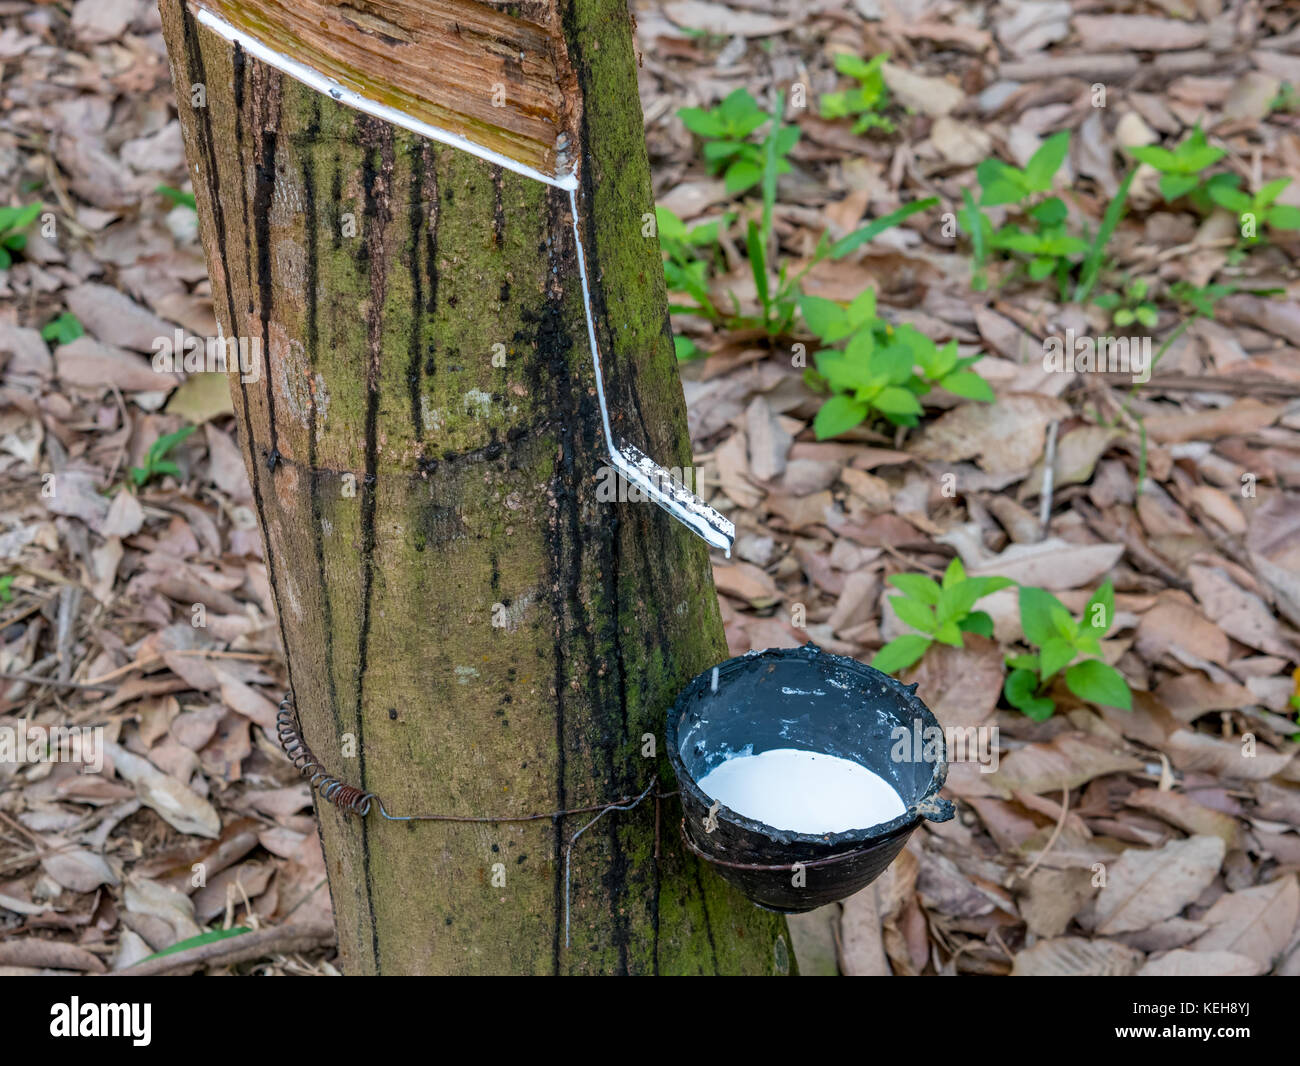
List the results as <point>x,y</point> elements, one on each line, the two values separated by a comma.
<point>686,349</point>
<point>1200,298</point>
<point>1001,183</point>
<point>780,302</point>
<point>1047,246</point>
<point>1254,212</point>
<point>690,256</point>
<point>867,101</point>
<point>1181,168</point>
<point>1294,702</point>
<point>941,612</point>
<point>177,197</point>
<point>1048,249</point>
<point>688,271</point>
<point>156,462</point>
<point>198,941</point>
<point>1130,305</point>
<point>726,130</point>
<point>6,588</point>
<point>1064,643</point>
<point>1110,220</point>
<point>13,220</point>
<point>1287,99</point>
<point>874,373</point>
<point>688,267</point>
<point>62,330</point>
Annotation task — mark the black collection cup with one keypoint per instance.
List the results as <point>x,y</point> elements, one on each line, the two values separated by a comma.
<point>810,700</point>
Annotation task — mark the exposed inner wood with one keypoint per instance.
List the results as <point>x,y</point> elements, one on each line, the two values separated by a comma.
<point>503,81</point>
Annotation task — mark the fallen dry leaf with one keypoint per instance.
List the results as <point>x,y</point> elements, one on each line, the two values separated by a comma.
<point>746,582</point>
<point>1148,33</point>
<point>1144,887</point>
<point>1174,623</point>
<point>1182,810</point>
<point>1077,453</point>
<point>76,868</point>
<point>961,686</point>
<point>1241,417</point>
<point>51,954</point>
<point>179,806</point>
<point>1240,614</point>
<point>1053,897</point>
<point>1190,695</point>
<point>1184,963</point>
<point>863,949</point>
<point>1255,922</point>
<point>697,15</point>
<point>1246,760</point>
<point>1051,564</point>
<point>114,318</point>
<point>87,363</point>
<point>1066,762</point>
<point>1002,438</point>
<point>1073,956</point>
<point>928,95</point>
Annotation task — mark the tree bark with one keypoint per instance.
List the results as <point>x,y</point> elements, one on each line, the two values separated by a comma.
<point>470,629</point>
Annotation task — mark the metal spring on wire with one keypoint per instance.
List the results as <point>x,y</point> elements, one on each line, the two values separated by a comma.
<point>347,798</point>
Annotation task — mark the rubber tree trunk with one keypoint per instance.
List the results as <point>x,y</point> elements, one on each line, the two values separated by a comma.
<point>470,628</point>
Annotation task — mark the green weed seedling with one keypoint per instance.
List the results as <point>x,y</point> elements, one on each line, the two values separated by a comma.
<point>13,220</point>
<point>1003,184</point>
<point>1047,249</point>
<point>726,131</point>
<point>1130,305</point>
<point>62,330</point>
<point>688,268</point>
<point>177,197</point>
<point>1200,298</point>
<point>1064,643</point>
<point>691,256</point>
<point>1096,257</point>
<point>686,349</point>
<point>874,373</point>
<point>1180,168</point>
<point>940,612</point>
<point>688,271</point>
<point>6,588</point>
<point>1287,99</point>
<point>156,462</point>
<point>1255,212</point>
<point>781,302</point>
<point>867,101</point>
